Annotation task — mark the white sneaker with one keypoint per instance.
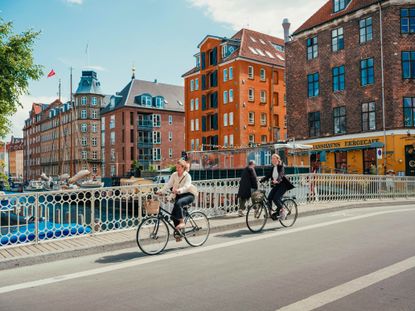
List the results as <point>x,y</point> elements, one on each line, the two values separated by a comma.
<point>241,213</point>
<point>283,213</point>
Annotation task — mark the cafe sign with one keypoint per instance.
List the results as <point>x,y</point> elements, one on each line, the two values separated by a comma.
<point>347,143</point>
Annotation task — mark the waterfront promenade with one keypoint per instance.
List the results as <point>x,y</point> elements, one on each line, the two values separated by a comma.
<point>23,255</point>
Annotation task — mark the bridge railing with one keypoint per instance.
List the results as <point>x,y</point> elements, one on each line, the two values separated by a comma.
<point>36,217</point>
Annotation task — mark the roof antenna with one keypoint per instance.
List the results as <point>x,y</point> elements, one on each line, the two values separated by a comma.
<point>133,72</point>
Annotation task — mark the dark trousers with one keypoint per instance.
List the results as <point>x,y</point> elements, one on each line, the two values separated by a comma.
<point>180,201</point>
<point>275,196</point>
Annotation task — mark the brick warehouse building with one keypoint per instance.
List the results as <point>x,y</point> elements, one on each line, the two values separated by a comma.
<point>63,138</point>
<point>144,122</point>
<point>351,86</point>
<point>15,155</point>
<point>234,96</point>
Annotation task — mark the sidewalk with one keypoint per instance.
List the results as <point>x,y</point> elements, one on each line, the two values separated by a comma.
<point>24,255</point>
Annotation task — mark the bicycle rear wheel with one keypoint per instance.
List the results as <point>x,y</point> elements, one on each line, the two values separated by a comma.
<point>152,235</point>
<point>197,228</point>
<point>256,217</point>
<point>291,212</point>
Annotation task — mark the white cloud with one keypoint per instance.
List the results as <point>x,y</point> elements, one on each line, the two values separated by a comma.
<point>75,1</point>
<point>22,113</point>
<point>96,67</point>
<point>262,15</point>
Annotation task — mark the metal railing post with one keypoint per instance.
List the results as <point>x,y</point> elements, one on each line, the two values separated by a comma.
<point>36,218</point>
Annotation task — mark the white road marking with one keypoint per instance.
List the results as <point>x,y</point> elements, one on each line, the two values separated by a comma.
<point>348,288</point>
<point>190,251</point>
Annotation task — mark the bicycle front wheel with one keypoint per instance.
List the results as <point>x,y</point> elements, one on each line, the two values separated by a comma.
<point>256,217</point>
<point>197,228</point>
<point>291,213</point>
<point>152,235</point>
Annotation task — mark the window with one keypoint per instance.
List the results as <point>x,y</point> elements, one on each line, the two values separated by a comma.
<point>225,75</point>
<point>251,96</point>
<point>263,97</point>
<point>83,100</point>
<point>156,120</point>
<point>251,138</point>
<point>230,118</point>
<point>192,85</point>
<point>225,119</point>
<point>314,123</point>
<point>196,84</point>
<point>112,122</point>
<point>94,128</point>
<point>263,119</point>
<point>84,127</point>
<point>170,120</point>
<point>146,100</point>
<point>231,140</point>
<point>225,141</point>
<point>313,84</point>
<point>94,101</point>
<point>337,40</point>
<point>84,155</point>
<point>157,137</point>
<point>192,144</point>
<point>84,141</point>
<point>338,78</point>
<point>339,5</point>
<point>197,60</point>
<point>197,104</point>
<point>94,114</point>
<point>192,104</point>
<point>197,143</point>
<point>230,73</point>
<point>312,48</point>
<point>112,170</point>
<point>251,117</point>
<point>262,74</point>
<point>170,136</point>
<point>156,154</point>
<point>339,119</point>
<point>94,155</point>
<point>408,20</point>
<point>230,95</point>
<point>192,125</point>
<point>365,30</point>
<point>408,65</point>
<point>94,141</point>
<point>170,153</point>
<point>367,74</point>
<point>368,116</point>
<point>83,114</point>
<point>196,124</point>
<point>409,111</point>
<point>225,97</point>
<point>112,138</point>
<point>250,72</point>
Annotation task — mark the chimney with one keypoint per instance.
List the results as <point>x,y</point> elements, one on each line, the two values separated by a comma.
<point>286,25</point>
<point>155,80</point>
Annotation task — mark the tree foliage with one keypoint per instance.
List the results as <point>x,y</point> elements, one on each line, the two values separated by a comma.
<point>17,67</point>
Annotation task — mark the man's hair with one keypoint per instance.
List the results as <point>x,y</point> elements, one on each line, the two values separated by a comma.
<point>251,162</point>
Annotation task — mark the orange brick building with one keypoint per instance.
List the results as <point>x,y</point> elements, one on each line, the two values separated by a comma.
<point>235,94</point>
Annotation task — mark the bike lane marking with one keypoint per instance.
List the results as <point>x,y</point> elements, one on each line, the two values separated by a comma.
<point>348,288</point>
<point>191,251</point>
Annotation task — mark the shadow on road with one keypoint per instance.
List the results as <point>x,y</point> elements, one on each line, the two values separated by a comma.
<point>244,232</point>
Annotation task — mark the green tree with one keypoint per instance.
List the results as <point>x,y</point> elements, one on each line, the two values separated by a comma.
<point>16,69</point>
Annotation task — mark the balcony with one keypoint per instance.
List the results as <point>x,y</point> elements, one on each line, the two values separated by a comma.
<point>145,124</point>
<point>145,144</point>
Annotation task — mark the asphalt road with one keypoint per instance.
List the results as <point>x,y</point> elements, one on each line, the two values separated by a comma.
<point>357,259</point>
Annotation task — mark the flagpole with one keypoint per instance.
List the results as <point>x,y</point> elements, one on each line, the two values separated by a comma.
<point>59,88</point>
<point>71,162</point>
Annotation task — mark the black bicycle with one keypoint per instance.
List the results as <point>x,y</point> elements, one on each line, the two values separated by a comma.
<point>153,232</point>
<point>259,211</point>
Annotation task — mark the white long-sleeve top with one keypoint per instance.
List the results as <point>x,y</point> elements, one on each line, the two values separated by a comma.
<point>181,184</point>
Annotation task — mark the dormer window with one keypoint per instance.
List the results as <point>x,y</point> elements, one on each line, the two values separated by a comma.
<point>339,5</point>
<point>159,102</point>
<point>146,100</point>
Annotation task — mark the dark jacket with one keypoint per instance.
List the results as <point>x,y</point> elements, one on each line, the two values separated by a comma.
<point>248,182</point>
<point>268,175</point>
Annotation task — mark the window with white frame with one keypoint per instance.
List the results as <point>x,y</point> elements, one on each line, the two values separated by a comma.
<point>251,138</point>
<point>84,141</point>
<point>231,140</point>
<point>94,128</point>
<point>225,97</point>
<point>250,72</point>
<point>112,170</point>
<point>170,153</point>
<point>112,138</point>
<point>84,127</point>
<point>192,104</point>
<point>225,141</point>
<point>192,144</point>
<point>94,101</point>
<point>230,118</point>
<point>84,114</point>
<point>112,154</point>
<point>192,125</point>
<point>197,104</point>
<point>230,73</point>
<point>263,96</point>
<point>262,74</point>
<point>156,154</point>
<point>94,155</point>
<point>94,168</point>
<point>83,100</point>
<point>263,119</point>
<point>197,144</point>
<point>156,120</point>
<point>94,114</point>
<point>170,136</point>
<point>251,95</point>
<point>225,75</point>
<point>170,120</point>
<point>94,141</point>
<point>84,155</point>
<point>156,138</point>
<point>251,117</point>
<point>197,124</point>
<point>196,84</point>
<point>230,95</point>
<point>112,121</point>
<point>225,119</point>
<point>263,139</point>
<point>192,85</point>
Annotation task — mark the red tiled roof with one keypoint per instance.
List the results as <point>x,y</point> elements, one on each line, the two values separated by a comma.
<point>325,13</point>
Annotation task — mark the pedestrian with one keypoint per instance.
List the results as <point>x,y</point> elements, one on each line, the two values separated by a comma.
<point>279,185</point>
<point>373,169</point>
<point>247,185</point>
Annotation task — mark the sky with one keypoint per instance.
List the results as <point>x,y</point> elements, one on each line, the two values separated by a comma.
<point>157,37</point>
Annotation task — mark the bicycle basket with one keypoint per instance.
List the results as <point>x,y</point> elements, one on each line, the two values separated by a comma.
<point>152,206</point>
<point>257,196</point>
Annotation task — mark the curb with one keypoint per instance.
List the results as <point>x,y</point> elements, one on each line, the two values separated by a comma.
<point>92,250</point>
